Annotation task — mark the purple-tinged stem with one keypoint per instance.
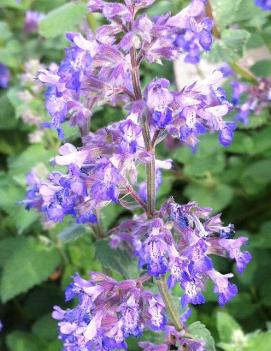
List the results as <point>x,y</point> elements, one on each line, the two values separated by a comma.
<point>136,197</point>
<point>150,166</point>
<point>151,190</point>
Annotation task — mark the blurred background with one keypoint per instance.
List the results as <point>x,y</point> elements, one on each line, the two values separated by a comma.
<point>37,258</point>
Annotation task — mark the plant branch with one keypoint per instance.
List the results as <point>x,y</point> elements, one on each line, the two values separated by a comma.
<point>150,166</point>
<point>173,312</point>
<point>151,190</point>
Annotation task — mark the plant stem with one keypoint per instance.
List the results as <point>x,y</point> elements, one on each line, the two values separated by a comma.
<point>150,166</point>
<point>174,315</point>
<point>136,197</point>
<point>209,13</point>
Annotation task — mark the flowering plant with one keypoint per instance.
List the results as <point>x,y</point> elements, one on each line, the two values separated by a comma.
<point>172,243</point>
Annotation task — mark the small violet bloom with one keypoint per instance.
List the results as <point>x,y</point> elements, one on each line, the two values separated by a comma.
<point>4,76</point>
<point>264,4</point>
<point>31,21</point>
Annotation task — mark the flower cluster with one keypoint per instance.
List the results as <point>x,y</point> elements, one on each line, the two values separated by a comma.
<point>108,312</point>
<point>4,76</point>
<point>98,69</point>
<point>162,37</point>
<point>264,4</point>
<point>250,98</point>
<point>197,109</point>
<point>178,241</point>
<point>97,173</point>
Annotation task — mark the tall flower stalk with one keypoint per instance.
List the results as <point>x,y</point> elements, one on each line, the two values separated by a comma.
<point>172,243</point>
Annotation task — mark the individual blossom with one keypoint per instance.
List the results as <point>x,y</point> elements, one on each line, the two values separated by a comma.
<point>264,4</point>
<point>31,21</point>
<point>107,313</point>
<point>4,76</point>
<point>1,326</point>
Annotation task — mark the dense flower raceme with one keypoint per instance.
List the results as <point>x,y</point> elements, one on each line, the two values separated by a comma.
<point>97,69</point>
<point>103,170</point>
<point>179,241</point>
<point>4,76</point>
<point>248,98</point>
<point>175,242</point>
<point>107,313</point>
<point>264,4</point>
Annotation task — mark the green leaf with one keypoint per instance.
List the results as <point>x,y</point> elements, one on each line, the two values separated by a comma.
<point>200,332</point>
<point>72,232</point>
<point>11,54</point>
<point>117,260</point>
<point>225,11</point>
<point>258,342</point>
<point>7,118</point>
<point>226,327</point>
<point>45,328</point>
<point>22,164</point>
<point>249,12</point>
<point>63,19</point>
<point>230,47</point>
<point>262,239</point>
<point>5,32</point>
<point>256,176</point>
<point>262,68</point>
<point>217,196</point>
<point>20,341</point>
<point>242,144</point>
<point>109,214</point>
<point>8,246</point>
<point>29,265</point>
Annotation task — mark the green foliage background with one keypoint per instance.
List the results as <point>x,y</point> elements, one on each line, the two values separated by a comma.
<point>36,262</point>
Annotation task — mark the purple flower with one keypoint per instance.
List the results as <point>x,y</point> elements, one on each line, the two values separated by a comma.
<point>233,248</point>
<point>264,4</point>
<point>107,313</point>
<point>4,76</point>
<point>195,31</point>
<point>31,21</point>
<point>1,326</point>
<point>225,290</point>
<point>183,252</point>
<point>195,110</point>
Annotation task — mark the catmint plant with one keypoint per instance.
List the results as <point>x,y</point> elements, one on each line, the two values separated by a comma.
<point>173,244</point>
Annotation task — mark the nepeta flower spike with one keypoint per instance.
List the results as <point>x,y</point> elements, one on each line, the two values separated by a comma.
<point>173,244</point>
